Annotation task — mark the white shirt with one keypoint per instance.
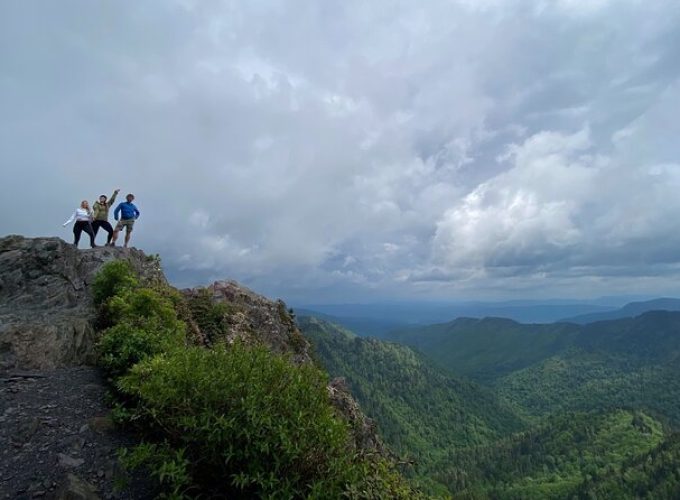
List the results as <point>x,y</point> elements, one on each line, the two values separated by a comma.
<point>78,215</point>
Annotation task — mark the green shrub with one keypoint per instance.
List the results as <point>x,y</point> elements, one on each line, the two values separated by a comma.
<point>168,466</point>
<point>379,480</point>
<point>145,324</point>
<point>139,305</point>
<point>123,345</point>
<point>114,277</point>
<point>250,422</point>
<point>212,318</point>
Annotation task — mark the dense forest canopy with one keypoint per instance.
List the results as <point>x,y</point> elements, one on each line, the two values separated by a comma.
<point>493,408</point>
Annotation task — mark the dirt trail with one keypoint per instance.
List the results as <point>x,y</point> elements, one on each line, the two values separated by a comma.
<point>56,437</point>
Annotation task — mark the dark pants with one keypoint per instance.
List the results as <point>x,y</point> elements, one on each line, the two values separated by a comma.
<point>104,224</point>
<point>79,227</point>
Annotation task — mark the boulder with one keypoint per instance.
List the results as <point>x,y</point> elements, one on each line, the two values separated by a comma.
<point>74,488</point>
<point>254,318</point>
<point>46,311</point>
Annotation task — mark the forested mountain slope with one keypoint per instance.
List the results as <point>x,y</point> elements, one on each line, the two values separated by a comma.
<point>488,348</point>
<point>651,476</point>
<point>491,348</point>
<point>422,412</point>
<point>543,369</point>
<point>563,456</point>
<point>582,430</point>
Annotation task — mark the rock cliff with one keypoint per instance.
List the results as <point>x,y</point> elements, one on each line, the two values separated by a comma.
<point>253,317</point>
<point>46,312</point>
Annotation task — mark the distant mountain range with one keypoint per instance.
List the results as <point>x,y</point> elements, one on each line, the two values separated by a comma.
<point>564,366</point>
<point>628,311</point>
<point>376,319</point>
<point>380,320</point>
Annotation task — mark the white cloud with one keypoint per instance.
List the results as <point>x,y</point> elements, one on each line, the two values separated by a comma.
<point>340,148</point>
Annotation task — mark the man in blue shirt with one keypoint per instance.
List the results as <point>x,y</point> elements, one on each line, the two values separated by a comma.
<point>126,214</point>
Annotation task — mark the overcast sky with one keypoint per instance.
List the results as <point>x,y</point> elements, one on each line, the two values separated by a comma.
<point>351,150</point>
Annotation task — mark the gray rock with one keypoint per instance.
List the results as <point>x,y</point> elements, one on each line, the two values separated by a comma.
<point>363,429</point>
<point>46,311</point>
<point>255,318</point>
<point>68,461</point>
<point>101,425</point>
<point>74,488</point>
<point>27,430</point>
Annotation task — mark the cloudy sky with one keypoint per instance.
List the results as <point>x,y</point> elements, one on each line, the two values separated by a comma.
<point>345,150</point>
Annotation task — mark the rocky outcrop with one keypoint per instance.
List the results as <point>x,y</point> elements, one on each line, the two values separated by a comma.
<point>252,317</point>
<point>363,429</point>
<point>46,311</point>
<point>47,317</point>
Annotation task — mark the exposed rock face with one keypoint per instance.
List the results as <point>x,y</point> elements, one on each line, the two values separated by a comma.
<point>46,312</point>
<point>363,429</point>
<point>255,317</point>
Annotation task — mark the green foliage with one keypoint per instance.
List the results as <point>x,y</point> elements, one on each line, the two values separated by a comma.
<point>114,277</point>
<point>167,465</point>
<point>488,348</point>
<point>145,323</point>
<point>380,481</point>
<point>455,431</point>
<point>212,318</point>
<point>583,381</point>
<point>249,422</point>
<point>422,412</point>
<point>554,459</point>
<point>650,476</point>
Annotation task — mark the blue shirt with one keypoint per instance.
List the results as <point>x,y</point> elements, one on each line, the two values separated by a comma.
<point>127,211</point>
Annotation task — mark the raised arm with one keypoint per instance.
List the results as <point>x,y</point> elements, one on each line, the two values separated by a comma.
<point>113,198</point>
<point>71,219</point>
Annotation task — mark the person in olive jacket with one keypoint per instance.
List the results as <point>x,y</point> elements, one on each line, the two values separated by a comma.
<point>100,210</point>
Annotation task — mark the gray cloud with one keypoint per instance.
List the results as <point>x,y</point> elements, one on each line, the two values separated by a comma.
<point>353,150</point>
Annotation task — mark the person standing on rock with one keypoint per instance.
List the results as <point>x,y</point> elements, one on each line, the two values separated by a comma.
<point>83,222</point>
<point>100,211</point>
<point>128,215</point>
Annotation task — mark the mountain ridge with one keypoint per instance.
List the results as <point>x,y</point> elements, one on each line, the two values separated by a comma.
<point>629,310</point>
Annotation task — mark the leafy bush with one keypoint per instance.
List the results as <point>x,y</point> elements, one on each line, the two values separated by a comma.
<point>250,421</point>
<point>169,467</point>
<point>141,305</point>
<point>145,323</point>
<point>125,344</point>
<point>212,318</point>
<point>114,277</point>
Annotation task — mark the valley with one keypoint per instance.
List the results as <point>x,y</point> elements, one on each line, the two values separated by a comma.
<point>493,408</point>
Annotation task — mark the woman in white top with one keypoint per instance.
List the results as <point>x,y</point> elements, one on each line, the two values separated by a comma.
<point>83,218</point>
